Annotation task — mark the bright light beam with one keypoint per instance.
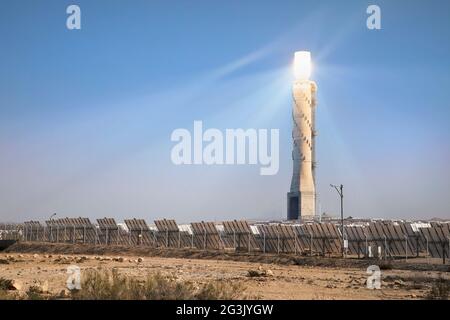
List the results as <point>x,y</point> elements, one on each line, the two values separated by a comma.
<point>302,65</point>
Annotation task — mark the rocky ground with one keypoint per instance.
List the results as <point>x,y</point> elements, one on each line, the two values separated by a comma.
<point>264,280</point>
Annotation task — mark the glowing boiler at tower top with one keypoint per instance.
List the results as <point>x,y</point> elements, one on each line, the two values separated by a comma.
<point>302,65</point>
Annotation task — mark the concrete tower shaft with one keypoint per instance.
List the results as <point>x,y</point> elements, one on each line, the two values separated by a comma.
<point>302,195</point>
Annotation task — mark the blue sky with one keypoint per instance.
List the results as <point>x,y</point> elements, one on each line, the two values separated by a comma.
<point>86,115</point>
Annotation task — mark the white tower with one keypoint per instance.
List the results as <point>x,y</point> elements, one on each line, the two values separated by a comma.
<point>302,197</point>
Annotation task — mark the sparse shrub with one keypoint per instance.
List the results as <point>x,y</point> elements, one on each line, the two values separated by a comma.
<point>440,290</point>
<point>103,285</point>
<point>6,284</point>
<point>385,265</point>
<point>34,293</point>
<point>417,286</point>
<point>253,273</point>
<point>5,295</point>
<point>158,287</point>
<point>219,290</point>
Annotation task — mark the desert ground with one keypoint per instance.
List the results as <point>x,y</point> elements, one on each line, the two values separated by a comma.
<point>265,279</point>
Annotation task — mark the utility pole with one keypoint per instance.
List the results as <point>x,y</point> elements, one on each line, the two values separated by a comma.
<point>340,191</point>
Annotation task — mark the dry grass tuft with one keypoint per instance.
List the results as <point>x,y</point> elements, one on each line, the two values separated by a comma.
<point>6,284</point>
<point>440,290</point>
<point>385,265</point>
<point>35,293</point>
<point>103,285</point>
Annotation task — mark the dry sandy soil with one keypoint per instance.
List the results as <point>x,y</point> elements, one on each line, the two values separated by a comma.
<point>284,281</point>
